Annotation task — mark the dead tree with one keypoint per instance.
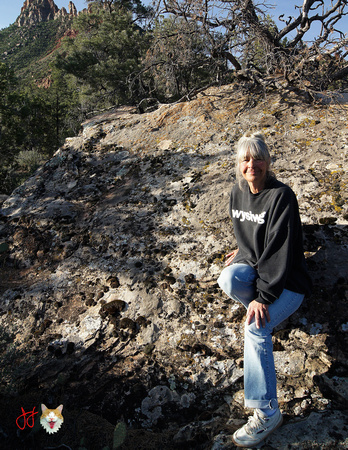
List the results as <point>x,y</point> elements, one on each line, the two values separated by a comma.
<point>243,32</point>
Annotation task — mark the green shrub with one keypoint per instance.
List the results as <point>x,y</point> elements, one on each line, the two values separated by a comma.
<point>29,159</point>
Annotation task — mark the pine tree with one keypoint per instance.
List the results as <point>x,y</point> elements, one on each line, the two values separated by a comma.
<point>106,51</point>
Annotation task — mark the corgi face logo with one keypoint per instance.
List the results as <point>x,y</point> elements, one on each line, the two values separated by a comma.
<point>51,419</point>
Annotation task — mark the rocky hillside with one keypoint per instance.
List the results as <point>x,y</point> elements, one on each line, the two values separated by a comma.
<point>29,45</point>
<point>109,260</point>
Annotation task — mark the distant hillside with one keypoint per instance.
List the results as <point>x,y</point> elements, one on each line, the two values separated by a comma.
<point>33,120</point>
<point>39,27</point>
<point>23,48</point>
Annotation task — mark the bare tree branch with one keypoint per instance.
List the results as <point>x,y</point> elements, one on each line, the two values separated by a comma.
<point>240,31</point>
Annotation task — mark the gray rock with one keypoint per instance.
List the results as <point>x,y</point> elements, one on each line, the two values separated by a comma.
<point>143,200</point>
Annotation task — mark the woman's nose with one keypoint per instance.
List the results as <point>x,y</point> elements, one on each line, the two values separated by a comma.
<point>251,162</point>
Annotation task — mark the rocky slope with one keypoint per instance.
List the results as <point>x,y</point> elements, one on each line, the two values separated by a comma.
<point>109,259</point>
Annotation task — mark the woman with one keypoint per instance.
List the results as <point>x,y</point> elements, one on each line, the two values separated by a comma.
<point>267,274</point>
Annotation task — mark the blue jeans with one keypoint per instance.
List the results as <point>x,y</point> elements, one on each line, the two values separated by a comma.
<point>260,384</point>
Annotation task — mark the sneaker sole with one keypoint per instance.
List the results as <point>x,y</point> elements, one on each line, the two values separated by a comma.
<point>263,438</point>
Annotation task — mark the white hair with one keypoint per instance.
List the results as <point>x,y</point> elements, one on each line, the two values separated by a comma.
<point>252,144</point>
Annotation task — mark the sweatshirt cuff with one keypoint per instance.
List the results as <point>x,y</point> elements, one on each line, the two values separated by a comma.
<point>259,299</point>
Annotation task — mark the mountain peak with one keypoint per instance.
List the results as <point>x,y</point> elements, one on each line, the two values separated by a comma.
<point>36,11</point>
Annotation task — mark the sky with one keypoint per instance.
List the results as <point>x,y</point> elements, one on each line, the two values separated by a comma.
<point>10,10</point>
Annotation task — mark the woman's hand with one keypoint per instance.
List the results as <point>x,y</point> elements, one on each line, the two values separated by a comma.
<point>231,257</point>
<point>260,312</point>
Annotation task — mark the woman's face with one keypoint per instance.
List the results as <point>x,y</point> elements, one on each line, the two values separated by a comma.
<point>254,170</point>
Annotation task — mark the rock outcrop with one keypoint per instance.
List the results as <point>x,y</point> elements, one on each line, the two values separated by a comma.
<point>109,260</point>
<point>37,11</point>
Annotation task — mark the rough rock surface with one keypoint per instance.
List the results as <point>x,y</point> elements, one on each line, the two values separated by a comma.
<point>109,259</point>
<point>36,11</point>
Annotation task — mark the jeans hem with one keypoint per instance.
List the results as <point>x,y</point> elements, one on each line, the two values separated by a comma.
<point>261,404</point>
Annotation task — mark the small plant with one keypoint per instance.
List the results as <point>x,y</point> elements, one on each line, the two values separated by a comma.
<point>29,159</point>
<point>120,434</point>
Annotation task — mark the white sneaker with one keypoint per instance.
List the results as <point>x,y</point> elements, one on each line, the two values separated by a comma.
<point>259,426</point>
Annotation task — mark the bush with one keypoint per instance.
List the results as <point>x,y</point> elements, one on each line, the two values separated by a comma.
<point>29,159</point>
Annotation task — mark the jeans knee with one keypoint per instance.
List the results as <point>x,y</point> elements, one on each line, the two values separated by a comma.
<point>225,281</point>
<point>238,282</point>
<point>229,282</point>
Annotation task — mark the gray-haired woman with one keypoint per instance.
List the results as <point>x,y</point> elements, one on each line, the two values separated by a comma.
<point>267,274</point>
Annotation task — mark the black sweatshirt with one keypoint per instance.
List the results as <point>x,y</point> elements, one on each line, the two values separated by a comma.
<point>268,230</point>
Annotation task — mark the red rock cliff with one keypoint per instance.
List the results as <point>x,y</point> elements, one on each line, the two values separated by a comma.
<point>36,11</point>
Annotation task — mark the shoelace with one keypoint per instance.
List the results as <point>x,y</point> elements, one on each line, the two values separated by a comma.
<point>256,423</point>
